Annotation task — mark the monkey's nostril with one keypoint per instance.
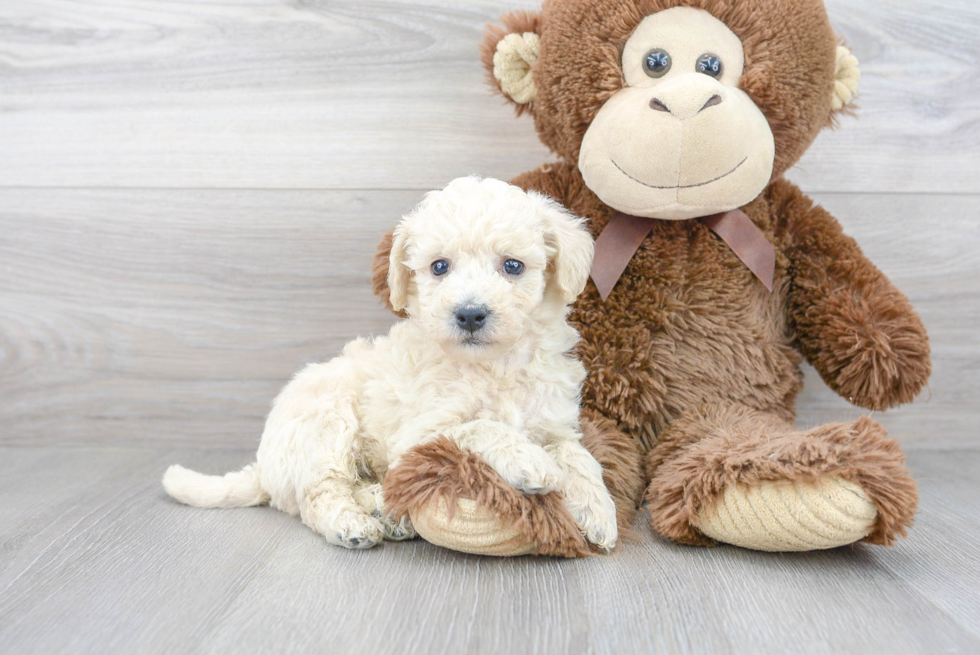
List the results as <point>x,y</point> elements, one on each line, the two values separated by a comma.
<point>657,105</point>
<point>712,101</point>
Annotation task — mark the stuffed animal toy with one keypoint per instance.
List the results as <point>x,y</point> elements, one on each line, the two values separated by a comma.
<point>674,122</point>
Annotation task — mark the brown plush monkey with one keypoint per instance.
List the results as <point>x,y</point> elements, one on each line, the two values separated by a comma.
<point>674,122</point>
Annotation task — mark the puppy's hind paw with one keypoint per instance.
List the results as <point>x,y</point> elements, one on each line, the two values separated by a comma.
<point>400,530</point>
<point>371,499</point>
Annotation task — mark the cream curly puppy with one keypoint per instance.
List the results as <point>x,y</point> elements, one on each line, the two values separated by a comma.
<point>485,273</point>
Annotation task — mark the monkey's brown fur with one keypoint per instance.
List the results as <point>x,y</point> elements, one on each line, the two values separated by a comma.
<point>690,355</point>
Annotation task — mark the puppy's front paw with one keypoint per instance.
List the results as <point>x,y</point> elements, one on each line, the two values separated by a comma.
<point>599,527</point>
<point>594,511</point>
<point>529,468</point>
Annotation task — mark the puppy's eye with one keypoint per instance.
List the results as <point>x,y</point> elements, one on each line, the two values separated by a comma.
<point>513,267</point>
<point>709,64</point>
<point>656,63</point>
<point>439,267</point>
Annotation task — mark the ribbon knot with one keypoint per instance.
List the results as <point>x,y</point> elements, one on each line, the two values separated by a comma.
<point>622,236</point>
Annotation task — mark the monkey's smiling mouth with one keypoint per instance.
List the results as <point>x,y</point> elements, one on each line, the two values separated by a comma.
<point>679,186</point>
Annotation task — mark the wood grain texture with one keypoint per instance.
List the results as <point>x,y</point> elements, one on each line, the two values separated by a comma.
<point>389,94</point>
<point>97,559</point>
<point>943,564</point>
<point>138,316</point>
<point>132,316</point>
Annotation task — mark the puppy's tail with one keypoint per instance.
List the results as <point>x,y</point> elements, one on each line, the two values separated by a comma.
<point>237,489</point>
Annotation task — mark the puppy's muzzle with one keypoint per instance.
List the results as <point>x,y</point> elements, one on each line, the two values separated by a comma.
<point>472,318</point>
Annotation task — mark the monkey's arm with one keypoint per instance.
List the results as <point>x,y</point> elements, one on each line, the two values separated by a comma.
<point>553,180</point>
<point>852,324</point>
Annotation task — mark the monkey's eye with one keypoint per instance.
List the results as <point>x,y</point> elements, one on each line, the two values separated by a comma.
<point>709,64</point>
<point>513,267</point>
<point>656,63</point>
<point>439,267</point>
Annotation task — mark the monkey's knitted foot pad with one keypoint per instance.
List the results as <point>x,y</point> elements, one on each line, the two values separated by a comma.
<point>470,530</point>
<point>790,516</point>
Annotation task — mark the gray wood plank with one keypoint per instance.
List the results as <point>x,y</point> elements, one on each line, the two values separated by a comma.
<point>107,563</point>
<point>141,316</point>
<point>389,94</point>
<point>116,550</point>
<point>140,313</point>
<point>941,560</point>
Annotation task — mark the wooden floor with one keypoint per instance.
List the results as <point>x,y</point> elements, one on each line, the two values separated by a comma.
<point>97,559</point>
<point>190,195</point>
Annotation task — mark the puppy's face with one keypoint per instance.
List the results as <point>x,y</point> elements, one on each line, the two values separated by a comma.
<point>480,264</point>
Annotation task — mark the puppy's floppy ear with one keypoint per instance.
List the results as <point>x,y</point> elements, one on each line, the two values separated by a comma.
<point>399,276</point>
<point>379,271</point>
<point>571,248</point>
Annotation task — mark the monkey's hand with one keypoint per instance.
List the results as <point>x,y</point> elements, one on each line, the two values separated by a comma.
<point>856,328</point>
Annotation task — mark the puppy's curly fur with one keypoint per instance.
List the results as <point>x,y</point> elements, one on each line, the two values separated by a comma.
<point>499,381</point>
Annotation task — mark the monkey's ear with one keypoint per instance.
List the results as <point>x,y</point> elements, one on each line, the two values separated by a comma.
<point>509,53</point>
<point>846,77</point>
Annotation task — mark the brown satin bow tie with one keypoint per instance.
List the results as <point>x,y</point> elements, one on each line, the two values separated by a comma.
<point>623,235</point>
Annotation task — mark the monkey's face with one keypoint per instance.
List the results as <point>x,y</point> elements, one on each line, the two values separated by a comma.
<point>674,109</point>
<point>680,140</point>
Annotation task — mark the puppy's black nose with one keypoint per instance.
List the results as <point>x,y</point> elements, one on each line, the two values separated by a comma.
<point>471,317</point>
